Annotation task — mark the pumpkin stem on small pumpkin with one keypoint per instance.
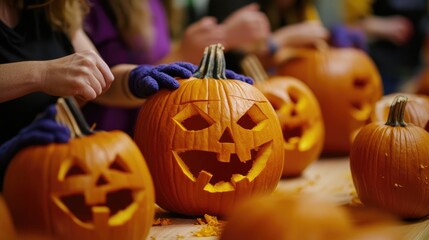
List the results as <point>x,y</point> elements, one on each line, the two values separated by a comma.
<point>212,64</point>
<point>253,68</point>
<point>397,112</point>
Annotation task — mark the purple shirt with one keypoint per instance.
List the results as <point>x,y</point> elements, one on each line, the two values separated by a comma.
<point>114,51</point>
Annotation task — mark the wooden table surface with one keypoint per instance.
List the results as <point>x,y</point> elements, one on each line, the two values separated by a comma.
<point>330,177</point>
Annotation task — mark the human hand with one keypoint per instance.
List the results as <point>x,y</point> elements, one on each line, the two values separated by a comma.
<point>301,34</point>
<point>396,29</point>
<point>246,28</point>
<point>343,36</point>
<point>83,74</point>
<point>233,75</point>
<point>146,80</point>
<point>198,36</point>
<point>43,130</point>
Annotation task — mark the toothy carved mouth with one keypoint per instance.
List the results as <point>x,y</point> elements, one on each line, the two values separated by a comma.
<point>291,134</point>
<point>200,166</point>
<point>116,201</point>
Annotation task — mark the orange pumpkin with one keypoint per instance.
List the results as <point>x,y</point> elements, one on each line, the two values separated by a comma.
<point>299,114</point>
<point>422,82</point>
<point>96,186</point>
<point>416,110</point>
<point>346,83</point>
<point>211,142</point>
<point>289,216</point>
<point>389,163</point>
<point>7,230</point>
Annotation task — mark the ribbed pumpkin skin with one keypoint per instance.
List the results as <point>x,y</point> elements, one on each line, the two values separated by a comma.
<point>345,82</point>
<point>390,168</point>
<point>416,111</point>
<point>7,230</point>
<point>301,120</point>
<point>40,178</point>
<point>163,135</point>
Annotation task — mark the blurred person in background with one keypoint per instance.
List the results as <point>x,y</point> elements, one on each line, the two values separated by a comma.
<point>293,23</point>
<point>395,30</point>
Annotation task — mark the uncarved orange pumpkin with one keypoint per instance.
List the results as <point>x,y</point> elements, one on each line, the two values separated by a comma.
<point>96,186</point>
<point>346,83</point>
<point>416,110</point>
<point>421,85</point>
<point>289,216</point>
<point>211,142</point>
<point>389,163</point>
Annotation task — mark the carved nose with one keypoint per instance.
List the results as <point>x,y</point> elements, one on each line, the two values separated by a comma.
<point>226,136</point>
<point>101,181</point>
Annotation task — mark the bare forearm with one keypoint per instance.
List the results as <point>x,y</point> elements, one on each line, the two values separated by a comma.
<point>19,79</point>
<point>119,93</point>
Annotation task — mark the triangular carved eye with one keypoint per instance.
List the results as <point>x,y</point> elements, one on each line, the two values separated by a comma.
<point>75,170</point>
<point>119,165</point>
<point>252,119</point>
<point>191,118</point>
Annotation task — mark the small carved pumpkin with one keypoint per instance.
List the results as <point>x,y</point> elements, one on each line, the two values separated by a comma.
<point>96,186</point>
<point>211,142</point>
<point>389,162</point>
<point>346,83</point>
<point>299,114</point>
<point>416,110</point>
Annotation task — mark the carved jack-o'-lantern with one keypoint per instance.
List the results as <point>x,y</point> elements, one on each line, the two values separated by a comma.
<point>96,186</point>
<point>299,114</point>
<point>346,84</point>
<point>211,142</point>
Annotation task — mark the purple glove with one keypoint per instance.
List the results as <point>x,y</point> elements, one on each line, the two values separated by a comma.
<point>146,80</point>
<point>232,75</point>
<point>343,36</point>
<point>43,130</point>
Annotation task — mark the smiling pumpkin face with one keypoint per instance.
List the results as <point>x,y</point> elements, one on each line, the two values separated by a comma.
<point>210,143</point>
<point>345,82</point>
<point>95,187</point>
<point>301,121</point>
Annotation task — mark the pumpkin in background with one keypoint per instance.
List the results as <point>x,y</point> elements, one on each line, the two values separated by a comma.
<point>288,216</point>
<point>96,186</point>
<point>211,142</point>
<point>421,85</point>
<point>7,230</point>
<point>416,110</point>
<point>346,83</point>
<point>389,163</point>
<point>299,114</point>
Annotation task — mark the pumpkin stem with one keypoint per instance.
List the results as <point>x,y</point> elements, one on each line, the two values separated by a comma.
<point>397,112</point>
<point>69,114</point>
<point>212,64</point>
<point>253,68</point>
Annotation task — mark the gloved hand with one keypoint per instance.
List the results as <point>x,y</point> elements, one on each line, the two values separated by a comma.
<point>42,130</point>
<point>146,80</point>
<point>343,36</point>
<point>232,75</point>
